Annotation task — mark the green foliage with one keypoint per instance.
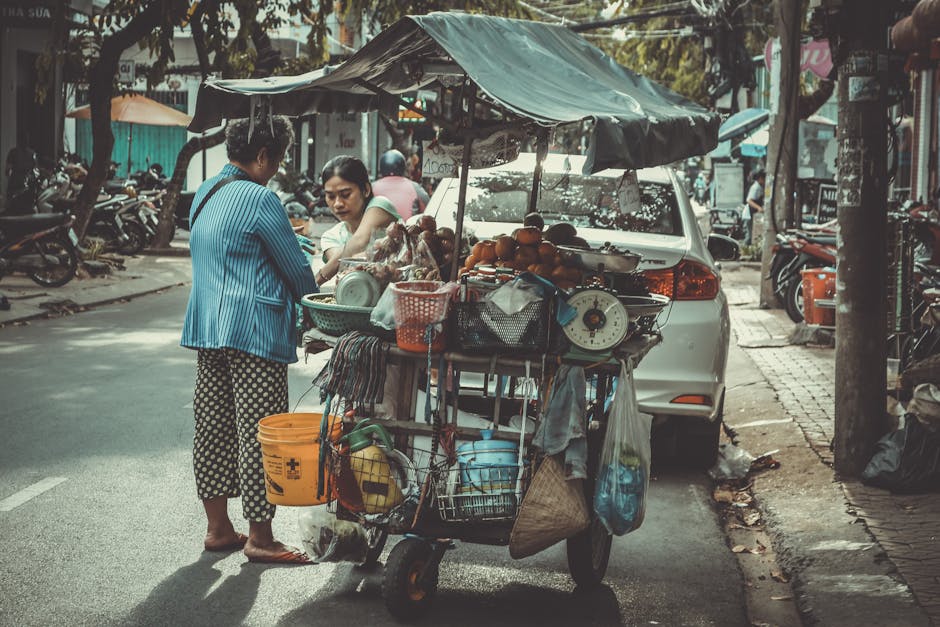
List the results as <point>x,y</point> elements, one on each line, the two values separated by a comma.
<point>677,61</point>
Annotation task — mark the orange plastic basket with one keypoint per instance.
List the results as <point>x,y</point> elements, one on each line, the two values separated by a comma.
<point>418,304</point>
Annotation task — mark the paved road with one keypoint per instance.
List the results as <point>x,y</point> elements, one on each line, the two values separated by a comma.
<point>97,406</point>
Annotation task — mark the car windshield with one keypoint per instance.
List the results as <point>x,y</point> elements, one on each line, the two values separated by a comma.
<point>582,201</point>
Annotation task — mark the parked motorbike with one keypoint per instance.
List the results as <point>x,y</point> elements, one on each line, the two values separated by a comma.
<point>41,245</point>
<point>926,223</point>
<point>727,222</point>
<point>795,251</point>
<point>306,200</point>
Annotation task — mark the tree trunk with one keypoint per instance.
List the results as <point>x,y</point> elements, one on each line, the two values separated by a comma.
<point>100,92</point>
<point>782,153</point>
<point>168,209</point>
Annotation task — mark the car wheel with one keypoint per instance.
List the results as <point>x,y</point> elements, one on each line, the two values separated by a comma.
<point>697,442</point>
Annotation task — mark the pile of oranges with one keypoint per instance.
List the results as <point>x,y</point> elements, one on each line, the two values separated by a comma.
<point>526,250</point>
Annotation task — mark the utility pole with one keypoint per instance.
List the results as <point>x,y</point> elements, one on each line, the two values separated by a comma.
<point>862,215</point>
<point>784,136</point>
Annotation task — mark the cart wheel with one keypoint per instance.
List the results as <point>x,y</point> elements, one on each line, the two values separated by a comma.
<point>376,536</point>
<point>407,595</point>
<point>588,554</point>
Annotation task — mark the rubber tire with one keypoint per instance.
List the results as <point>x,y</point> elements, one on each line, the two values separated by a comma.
<point>589,553</point>
<point>377,537</point>
<point>697,443</point>
<point>793,300</point>
<point>136,238</point>
<point>68,249</point>
<point>398,589</point>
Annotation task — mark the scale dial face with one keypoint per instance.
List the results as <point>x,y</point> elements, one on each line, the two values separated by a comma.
<point>601,321</point>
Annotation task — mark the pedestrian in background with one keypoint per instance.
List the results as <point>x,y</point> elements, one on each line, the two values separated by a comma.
<point>408,196</point>
<point>754,204</point>
<point>248,271</point>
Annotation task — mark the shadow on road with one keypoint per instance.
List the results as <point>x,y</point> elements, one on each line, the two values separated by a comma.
<point>183,598</point>
<point>356,598</point>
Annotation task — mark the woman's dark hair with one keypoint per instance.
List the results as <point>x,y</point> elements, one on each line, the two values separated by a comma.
<point>241,149</point>
<point>349,168</point>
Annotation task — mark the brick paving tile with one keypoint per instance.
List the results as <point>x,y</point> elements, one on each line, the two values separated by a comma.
<point>906,527</point>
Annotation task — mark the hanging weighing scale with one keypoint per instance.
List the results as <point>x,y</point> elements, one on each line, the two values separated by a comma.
<point>601,322</point>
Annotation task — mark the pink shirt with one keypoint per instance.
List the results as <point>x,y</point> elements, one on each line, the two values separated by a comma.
<point>405,194</point>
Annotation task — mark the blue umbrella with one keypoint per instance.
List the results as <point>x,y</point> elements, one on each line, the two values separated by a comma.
<point>742,123</point>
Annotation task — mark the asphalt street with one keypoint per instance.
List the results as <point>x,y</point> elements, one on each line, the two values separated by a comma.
<point>97,427</point>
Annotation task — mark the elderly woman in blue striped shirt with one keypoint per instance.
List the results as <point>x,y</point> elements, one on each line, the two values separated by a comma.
<point>248,271</point>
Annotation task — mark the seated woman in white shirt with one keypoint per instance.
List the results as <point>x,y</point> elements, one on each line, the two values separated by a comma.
<point>349,196</point>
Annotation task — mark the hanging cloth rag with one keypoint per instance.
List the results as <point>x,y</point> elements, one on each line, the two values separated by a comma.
<point>355,371</point>
<point>563,426</point>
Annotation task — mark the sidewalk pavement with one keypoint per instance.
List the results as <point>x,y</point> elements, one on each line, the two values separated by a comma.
<point>144,274</point>
<point>857,555</point>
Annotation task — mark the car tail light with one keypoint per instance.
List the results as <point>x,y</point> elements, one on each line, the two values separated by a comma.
<point>688,280</point>
<point>693,399</point>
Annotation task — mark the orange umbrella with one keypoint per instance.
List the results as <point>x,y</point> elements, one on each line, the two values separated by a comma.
<point>136,109</point>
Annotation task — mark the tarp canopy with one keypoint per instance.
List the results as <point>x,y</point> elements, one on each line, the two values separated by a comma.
<point>533,71</point>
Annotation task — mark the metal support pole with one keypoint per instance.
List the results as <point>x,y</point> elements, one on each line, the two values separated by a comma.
<point>541,151</point>
<point>468,101</point>
<point>862,257</point>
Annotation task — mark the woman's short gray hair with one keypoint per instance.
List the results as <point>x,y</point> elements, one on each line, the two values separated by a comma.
<point>241,149</point>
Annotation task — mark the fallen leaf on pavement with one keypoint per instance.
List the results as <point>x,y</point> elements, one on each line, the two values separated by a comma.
<point>738,548</point>
<point>779,576</point>
<point>723,495</point>
<point>751,517</point>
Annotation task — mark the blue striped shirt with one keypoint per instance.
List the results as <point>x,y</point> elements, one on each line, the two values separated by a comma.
<point>248,270</point>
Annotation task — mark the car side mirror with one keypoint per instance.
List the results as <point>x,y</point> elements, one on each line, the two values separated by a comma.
<point>723,248</point>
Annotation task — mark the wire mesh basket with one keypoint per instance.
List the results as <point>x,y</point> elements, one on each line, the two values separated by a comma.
<point>373,480</point>
<point>480,326</point>
<point>481,492</point>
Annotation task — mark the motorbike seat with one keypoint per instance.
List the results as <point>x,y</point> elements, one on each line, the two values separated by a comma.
<point>822,240</point>
<point>21,225</point>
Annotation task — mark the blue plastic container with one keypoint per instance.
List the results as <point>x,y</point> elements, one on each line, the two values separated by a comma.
<point>488,466</point>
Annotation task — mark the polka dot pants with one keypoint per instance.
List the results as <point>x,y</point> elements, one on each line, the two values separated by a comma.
<point>234,390</point>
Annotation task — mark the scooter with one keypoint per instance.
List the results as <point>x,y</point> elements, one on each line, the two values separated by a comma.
<point>42,245</point>
<point>727,222</point>
<point>805,251</point>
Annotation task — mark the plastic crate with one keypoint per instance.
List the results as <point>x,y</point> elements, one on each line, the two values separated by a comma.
<point>479,326</point>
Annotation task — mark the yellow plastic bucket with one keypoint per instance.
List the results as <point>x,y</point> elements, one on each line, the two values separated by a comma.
<point>298,424</point>
<point>290,453</point>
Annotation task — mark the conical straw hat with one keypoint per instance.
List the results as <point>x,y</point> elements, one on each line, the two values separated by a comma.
<point>553,509</point>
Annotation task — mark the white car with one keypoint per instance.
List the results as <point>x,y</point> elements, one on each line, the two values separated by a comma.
<point>681,382</point>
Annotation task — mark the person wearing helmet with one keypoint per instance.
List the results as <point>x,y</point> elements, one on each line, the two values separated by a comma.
<point>408,197</point>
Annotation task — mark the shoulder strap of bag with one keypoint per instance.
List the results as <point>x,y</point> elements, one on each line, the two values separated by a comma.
<point>219,185</point>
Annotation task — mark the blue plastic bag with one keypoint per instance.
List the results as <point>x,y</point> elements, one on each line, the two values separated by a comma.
<point>623,473</point>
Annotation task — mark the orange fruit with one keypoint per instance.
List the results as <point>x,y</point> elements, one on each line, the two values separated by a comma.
<point>528,235</point>
<point>547,252</point>
<point>527,255</point>
<point>488,251</point>
<point>505,247</point>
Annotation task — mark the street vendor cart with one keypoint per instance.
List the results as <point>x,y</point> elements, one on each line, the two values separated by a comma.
<point>553,342</point>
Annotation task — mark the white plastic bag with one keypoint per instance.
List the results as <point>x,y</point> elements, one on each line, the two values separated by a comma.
<point>624,469</point>
<point>383,314</point>
<point>327,539</point>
